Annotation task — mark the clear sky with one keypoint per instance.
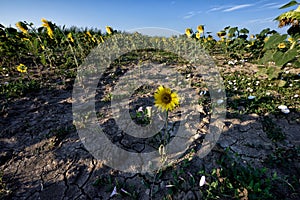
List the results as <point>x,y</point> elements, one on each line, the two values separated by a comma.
<point>123,15</point>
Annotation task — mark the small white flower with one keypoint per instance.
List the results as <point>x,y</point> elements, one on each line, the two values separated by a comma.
<point>282,107</point>
<point>149,111</point>
<point>202,181</point>
<point>229,82</point>
<point>291,85</point>
<point>231,62</point>
<point>296,95</point>
<point>287,72</point>
<point>202,93</point>
<point>161,150</point>
<point>220,101</point>
<point>114,192</point>
<point>257,82</point>
<point>251,97</point>
<point>168,186</point>
<point>285,111</point>
<point>219,90</point>
<point>6,75</point>
<point>140,109</point>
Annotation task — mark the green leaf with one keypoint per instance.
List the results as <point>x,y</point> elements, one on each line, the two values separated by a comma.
<point>291,3</point>
<point>244,31</point>
<point>264,31</point>
<point>283,58</point>
<point>268,56</point>
<point>281,83</point>
<point>226,28</point>
<point>274,40</point>
<point>232,30</point>
<point>273,72</point>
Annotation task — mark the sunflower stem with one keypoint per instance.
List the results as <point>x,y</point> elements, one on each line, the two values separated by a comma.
<point>166,128</point>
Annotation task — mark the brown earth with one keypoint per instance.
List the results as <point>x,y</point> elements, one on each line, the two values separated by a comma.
<point>42,156</point>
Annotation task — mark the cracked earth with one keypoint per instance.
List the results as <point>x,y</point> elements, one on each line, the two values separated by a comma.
<point>42,156</point>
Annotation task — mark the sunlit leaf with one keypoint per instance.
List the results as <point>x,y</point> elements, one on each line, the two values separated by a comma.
<point>291,3</point>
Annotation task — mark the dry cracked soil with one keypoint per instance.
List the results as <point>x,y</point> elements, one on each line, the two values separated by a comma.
<point>42,156</point>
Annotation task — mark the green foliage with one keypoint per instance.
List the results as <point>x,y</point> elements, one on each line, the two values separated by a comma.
<point>280,56</point>
<point>272,130</point>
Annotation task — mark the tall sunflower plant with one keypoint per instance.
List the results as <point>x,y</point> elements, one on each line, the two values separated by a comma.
<point>284,49</point>
<point>166,101</point>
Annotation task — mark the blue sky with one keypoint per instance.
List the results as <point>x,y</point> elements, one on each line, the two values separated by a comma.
<point>254,15</point>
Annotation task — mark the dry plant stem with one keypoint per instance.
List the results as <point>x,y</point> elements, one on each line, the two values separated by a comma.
<point>163,154</point>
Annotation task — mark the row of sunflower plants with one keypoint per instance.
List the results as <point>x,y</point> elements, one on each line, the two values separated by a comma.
<point>29,54</point>
<point>271,50</point>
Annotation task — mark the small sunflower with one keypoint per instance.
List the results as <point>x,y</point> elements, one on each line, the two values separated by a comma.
<point>89,34</point>
<point>209,38</point>
<point>70,37</point>
<point>49,26</point>
<point>200,28</point>
<point>189,32</point>
<point>22,68</point>
<point>290,39</point>
<point>221,34</point>
<point>281,45</point>
<point>109,30</point>
<point>165,99</point>
<point>22,27</point>
<point>198,35</point>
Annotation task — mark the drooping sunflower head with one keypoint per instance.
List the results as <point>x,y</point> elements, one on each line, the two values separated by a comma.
<point>165,99</point>
<point>189,32</point>
<point>200,28</point>
<point>109,30</point>
<point>70,37</point>
<point>49,26</point>
<point>22,27</point>
<point>221,34</point>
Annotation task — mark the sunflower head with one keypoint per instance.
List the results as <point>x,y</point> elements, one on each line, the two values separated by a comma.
<point>49,26</point>
<point>109,30</point>
<point>281,45</point>
<point>22,68</point>
<point>189,32</point>
<point>70,37</point>
<point>200,28</point>
<point>22,27</point>
<point>221,34</point>
<point>165,99</point>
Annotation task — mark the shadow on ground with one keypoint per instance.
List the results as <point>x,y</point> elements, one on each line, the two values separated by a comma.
<point>42,156</point>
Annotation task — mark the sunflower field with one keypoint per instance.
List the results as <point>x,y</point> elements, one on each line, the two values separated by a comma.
<point>257,158</point>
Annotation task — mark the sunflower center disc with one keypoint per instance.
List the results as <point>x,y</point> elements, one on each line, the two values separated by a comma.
<point>166,98</point>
